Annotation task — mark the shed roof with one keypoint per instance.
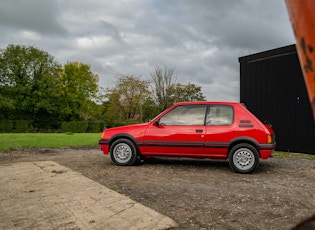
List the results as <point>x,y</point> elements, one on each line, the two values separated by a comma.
<point>282,51</point>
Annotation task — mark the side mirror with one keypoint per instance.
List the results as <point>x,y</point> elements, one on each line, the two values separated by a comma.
<point>157,123</point>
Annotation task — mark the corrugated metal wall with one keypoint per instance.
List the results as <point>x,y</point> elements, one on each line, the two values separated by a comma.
<point>272,87</point>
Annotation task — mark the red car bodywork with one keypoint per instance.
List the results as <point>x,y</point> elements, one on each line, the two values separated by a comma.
<point>196,141</point>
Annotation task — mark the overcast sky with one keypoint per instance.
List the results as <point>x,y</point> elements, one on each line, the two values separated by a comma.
<point>201,39</point>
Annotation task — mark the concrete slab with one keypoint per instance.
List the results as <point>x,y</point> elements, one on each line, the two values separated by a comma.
<point>46,195</point>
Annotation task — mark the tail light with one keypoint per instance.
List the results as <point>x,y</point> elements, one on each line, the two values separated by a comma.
<point>269,139</point>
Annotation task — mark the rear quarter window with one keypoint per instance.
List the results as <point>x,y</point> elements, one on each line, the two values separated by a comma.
<point>220,115</point>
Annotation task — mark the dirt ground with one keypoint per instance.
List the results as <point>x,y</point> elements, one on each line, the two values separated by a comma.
<point>199,194</point>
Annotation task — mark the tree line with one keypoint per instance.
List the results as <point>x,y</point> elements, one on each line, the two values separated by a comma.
<point>40,95</point>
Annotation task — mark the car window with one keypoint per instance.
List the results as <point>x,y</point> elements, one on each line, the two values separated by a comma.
<point>185,115</point>
<point>220,115</point>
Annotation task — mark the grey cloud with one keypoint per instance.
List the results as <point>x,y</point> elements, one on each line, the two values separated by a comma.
<point>110,30</point>
<point>201,39</point>
<point>38,16</point>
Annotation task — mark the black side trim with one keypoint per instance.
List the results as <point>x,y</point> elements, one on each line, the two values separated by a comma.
<point>140,143</point>
<point>174,144</point>
<point>187,144</point>
<point>218,145</point>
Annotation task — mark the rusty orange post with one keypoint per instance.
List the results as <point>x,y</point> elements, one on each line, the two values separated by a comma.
<point>302,15</point>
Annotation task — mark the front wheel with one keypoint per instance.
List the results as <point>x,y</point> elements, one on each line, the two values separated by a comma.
<point>123,152</point>
<point>243,158</point>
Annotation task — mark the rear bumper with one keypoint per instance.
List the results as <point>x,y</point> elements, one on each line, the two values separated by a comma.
<point>266,150</point>
<point>264,154</point>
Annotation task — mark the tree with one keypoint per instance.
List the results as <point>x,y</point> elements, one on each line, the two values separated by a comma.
<point>112,109</point>
<point>167,91</point>
<point>78,89</point>
<point>188,92</point>
<point>127,99</point>
<point>28,84</point>
<point>6,104</point>
<point>163,81</point>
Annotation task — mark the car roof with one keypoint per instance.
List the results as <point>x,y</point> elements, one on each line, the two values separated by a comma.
<point>206,102</point>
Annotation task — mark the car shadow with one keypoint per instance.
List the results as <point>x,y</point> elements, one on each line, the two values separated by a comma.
<point>201,163</point>
<point>264,167</point>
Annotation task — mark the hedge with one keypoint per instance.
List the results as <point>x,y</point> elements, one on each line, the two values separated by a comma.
<point>75,126</point>
<point>6,126</point>
<point>83,126</point>
<point>22,126</point>
<point>14,126</point>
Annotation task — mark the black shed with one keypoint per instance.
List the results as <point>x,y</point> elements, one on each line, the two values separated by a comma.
<point>272,87</point>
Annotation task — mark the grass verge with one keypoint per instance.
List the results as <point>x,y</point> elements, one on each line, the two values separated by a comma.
<point>293,155</point>
<point>9,141</point>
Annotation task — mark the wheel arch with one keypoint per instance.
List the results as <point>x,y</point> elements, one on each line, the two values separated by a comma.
<point>247,140</point>
<point>124,136</point>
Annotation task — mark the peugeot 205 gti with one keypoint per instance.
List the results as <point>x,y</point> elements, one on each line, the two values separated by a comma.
<point>216,130</point>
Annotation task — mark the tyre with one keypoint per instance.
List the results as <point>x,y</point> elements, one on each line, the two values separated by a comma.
<point>243,158</point>
<point>123,152</point>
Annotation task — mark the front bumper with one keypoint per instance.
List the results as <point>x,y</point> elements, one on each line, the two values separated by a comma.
<point>104,146</point>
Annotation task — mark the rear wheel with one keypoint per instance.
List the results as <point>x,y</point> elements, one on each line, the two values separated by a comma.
<point>243,158</point>
<point>123,152</point>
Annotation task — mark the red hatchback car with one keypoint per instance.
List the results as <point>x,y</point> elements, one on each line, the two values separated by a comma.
<point>216,130</point>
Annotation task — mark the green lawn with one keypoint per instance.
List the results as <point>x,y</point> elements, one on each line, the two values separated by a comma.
<point>10,141</point>
<point>294,155</point>
<point>53,140</point>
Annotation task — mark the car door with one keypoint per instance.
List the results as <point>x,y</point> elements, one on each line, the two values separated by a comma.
<point>180,132</point>
<point>219,130</point>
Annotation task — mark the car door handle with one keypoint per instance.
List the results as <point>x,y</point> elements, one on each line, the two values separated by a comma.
<point>199,130</point>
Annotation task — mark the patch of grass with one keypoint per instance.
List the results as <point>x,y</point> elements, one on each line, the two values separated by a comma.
<point>293,155</point>
<point>10,141</point>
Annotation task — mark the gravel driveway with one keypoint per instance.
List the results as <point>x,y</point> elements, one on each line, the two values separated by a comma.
<point>199,194</point>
